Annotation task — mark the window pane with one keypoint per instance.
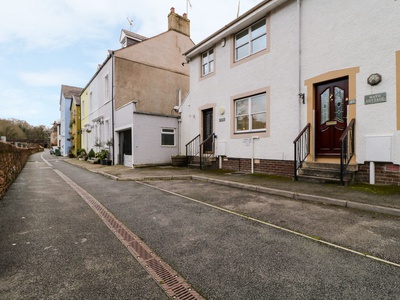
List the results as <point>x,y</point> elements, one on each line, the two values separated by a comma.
<point>242,38</point>
<point>325,106</point>
<point>242,123</point>
<point>259,121</point>
<point>211,66</point>
<point>242,51</point>
<point>168,130</point>
<point>242,107</point>
<point>258,103</point>
<point>258,29</point>
<point>167,139</point>
<point>259,44</point>
<point>339,99</point>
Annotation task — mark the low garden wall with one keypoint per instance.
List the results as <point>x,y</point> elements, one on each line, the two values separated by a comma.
<point>12,161</point>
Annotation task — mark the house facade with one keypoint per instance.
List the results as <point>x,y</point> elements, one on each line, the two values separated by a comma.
<point>287,67</point>
<point>128,105</point>
<point>97,109</point>
<point>66,98</point>
<point>75,125</point>
<point>150,79</point>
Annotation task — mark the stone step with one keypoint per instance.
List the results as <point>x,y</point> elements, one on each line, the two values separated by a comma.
<point>319,179</point>
<point>330,166</point>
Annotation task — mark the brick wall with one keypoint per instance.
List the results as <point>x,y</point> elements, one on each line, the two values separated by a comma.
<point>12,161</point>
<point>385,174</point>
<point>271,167</point>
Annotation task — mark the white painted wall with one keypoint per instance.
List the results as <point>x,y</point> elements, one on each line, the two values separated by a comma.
<point>344,34</point>
<point>335,35</point>
<point>100,108</point>
<point>147,139</point>
<point>276,70</point>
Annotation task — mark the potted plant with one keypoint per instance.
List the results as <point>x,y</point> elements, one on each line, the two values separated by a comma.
<point>103,156</point>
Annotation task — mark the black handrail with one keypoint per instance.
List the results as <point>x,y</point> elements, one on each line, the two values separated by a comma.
<point>193,146</point>
<point>346,148</point>
<point>211,138</point>
<point>301,148</point>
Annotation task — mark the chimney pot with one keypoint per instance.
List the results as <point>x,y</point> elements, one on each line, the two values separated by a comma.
<point>173,9</point>
<point>185,15</point>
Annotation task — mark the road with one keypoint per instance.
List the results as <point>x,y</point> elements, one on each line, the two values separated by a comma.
<point>55,246</point>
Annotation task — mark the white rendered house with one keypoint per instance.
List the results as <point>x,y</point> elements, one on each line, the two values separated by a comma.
<point>289,65</point>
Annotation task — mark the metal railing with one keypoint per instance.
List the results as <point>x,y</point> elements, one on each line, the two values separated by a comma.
<point>346,148</point>
<point>192,148</point>
<point>206,153</point>
<point>301,148</point>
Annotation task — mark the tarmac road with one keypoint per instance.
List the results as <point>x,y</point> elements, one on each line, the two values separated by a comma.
<point>53,246</point>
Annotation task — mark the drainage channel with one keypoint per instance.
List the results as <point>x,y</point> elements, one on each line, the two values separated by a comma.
<point>170,281</point>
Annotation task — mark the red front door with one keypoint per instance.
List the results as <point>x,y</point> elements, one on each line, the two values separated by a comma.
<point>330,116</point>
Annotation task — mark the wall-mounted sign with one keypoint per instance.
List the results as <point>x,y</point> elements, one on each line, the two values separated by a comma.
<point>222,119</point>
<point>352,101</point>
<point>375,98</point>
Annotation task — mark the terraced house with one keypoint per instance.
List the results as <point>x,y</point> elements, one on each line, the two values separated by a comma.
<point>130,101</point>
<point>300,88</point>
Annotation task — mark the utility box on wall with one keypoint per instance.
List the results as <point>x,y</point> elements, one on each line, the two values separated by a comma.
<point>378,148</point>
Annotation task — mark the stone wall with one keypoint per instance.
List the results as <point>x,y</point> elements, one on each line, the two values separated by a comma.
<point>12,161</point>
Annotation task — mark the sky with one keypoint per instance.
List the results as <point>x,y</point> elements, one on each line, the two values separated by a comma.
<point>47,43</point>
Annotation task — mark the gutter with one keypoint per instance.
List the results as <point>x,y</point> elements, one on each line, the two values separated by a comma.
<point>236,25</point>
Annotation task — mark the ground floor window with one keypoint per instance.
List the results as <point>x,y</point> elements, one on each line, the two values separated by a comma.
<point>250,114</point>
<point>167,137</point>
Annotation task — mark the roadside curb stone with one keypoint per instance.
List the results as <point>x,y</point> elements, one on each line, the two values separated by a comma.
<point>266,190</point>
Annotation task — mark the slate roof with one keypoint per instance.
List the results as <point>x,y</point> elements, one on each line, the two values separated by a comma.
<point>70,91</point>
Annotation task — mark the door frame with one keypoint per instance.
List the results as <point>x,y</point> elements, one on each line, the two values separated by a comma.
<point>201,121</point>
<point>310,83</point>
<point>331,129</point>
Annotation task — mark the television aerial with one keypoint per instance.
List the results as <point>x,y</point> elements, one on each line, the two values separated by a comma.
<point>130,21</point>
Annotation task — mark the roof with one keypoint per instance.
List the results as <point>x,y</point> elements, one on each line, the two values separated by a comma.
<point>243,21</point>
<point>70,91</point>
<point>131,35</point>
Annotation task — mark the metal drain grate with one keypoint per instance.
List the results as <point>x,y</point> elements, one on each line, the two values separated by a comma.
<point>174,285</point>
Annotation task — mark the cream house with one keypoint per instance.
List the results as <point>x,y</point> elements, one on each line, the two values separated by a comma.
<point>323,73</point>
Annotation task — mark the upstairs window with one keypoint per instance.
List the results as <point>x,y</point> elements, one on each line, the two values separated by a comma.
<point>207,62</point>
<point>250,114</point>
<point>251,40</point>
<point>106,88</point>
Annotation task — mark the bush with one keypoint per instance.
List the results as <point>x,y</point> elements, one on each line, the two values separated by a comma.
<point>91,153</point>
<point>103,154</point>
<point>80,151</point>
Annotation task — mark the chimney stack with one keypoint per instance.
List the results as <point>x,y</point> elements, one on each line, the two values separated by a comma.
<point>178,23</point>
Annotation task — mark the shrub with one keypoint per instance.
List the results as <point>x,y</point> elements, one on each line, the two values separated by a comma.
<point>91,153</point>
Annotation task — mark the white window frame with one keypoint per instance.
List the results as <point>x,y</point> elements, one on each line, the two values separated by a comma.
<point>249,38</point>
<point>106,88</point>
<point>168,131</point>
<point>207,62</point>
<point>250,113</point>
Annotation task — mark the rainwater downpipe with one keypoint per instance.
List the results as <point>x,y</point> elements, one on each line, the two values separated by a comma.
<point>252,152</point>
<point>179,122</point>
<point>300,94</point>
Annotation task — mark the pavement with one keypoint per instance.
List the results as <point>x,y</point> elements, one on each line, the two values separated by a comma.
<point>372,198</point>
